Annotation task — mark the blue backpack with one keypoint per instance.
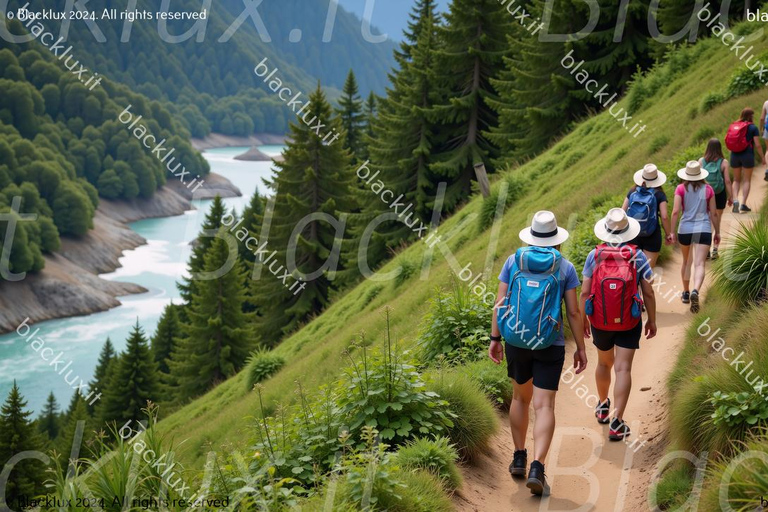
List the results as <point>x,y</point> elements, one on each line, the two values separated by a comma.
<point>644,208</point>
<point>530,316</point>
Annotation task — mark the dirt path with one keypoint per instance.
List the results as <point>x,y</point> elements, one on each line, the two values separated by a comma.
<point>585,470</point>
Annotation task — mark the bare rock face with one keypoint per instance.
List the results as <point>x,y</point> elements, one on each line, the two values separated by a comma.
<point>70,285</point>
<point>214,185</point>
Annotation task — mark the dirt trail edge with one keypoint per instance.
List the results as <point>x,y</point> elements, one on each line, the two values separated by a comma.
<point>585,470</point>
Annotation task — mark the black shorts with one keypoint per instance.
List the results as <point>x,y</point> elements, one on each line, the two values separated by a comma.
<point>606,340</point>
<point>650,243</point>
<point>544,366</point>
<point>744,159</point>
<point>695,238</point>
<point>721,199</point>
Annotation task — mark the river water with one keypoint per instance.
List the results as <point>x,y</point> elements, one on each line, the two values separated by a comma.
<point>157,266</point>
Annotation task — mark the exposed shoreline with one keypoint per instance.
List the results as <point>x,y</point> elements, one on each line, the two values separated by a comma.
<point>218,140</point>
<point>70,285</point>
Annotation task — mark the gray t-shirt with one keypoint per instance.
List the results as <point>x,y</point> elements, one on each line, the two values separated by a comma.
<point>695,209</point>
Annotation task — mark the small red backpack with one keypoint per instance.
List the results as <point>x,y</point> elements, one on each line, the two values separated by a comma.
<point>736,138</point>
<point>614,303</point>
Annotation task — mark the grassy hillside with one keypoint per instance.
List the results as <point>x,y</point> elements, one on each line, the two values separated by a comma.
<point>584,171</point>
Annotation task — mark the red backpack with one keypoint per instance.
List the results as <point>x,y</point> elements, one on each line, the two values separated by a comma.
<point>614,303</point>
<point>736,138</point>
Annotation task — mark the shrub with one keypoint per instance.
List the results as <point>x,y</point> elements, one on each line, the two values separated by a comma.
<point>475,420</point>
<point>657,144</point>
<point>407,269</point>
<point>743,82</point>
<point>638,92</point>
<point>371,294</point>
<point>711,100</point>
<point>435,456</point>
<point>703,134</point>
<point>742,272</point>
<point>492,379</point>
<point>386,392</point>
<point>516,184</point>
<point>261,365</point>
<point>455,326</point>
<point>423,493</point>
<point>738,408</point>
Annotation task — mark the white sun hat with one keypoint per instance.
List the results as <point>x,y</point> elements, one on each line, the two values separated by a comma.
<point>616,227</point>
<point>544,231</point>
<point>651,176</point>
<point>692,172</point>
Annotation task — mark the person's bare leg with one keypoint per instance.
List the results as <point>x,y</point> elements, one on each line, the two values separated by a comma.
<point>736,183</point>
<point>746,184</point>
<point>518,412</point>
<point>623,369</point>
<point>652,257</point>
<point>603,373</point>
<point>685,269</point>
<point>718,220</point>
<point>699,263</point>
<point>544,423</point>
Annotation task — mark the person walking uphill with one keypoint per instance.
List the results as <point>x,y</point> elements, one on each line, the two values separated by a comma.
<point>646,202</point>
<point>719,179</point>
<point>527,316</point>
<point>614,274</point>
<point>741,139</point>
<point>695,200</point>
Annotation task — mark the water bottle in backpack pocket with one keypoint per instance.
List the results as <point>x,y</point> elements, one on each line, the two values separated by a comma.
<point>530,316</point>
<point>644,208</point>
<point>614,303</point>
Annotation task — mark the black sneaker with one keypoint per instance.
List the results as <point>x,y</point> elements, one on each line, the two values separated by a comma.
<point>745,209</point>
<point>537,481</point>
<point>519,463</point>
<point>735,207</point>
<point>602,410</point>
<point>686,297</point>
<point>715,253</point>
<point>618,430</point>
<point>694,302</point>
<point>766,176</point>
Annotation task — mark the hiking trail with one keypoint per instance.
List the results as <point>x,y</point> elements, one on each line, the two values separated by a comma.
<point>585,470</point>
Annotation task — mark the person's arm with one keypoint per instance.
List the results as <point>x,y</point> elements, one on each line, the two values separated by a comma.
<point>759,145</point>
<point>725,169</point>
<point>649,298</point>
<point>676,208</point>
<point>712,213</point>
<point>586,291</point>
<point>625,206</point>
<point>762,118</point>
<point>496,349</point>
<point>577,328</point>
<point>663,210</point>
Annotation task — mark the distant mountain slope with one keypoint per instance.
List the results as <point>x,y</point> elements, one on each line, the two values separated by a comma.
<point>388,17</point>
<point>210,83</point>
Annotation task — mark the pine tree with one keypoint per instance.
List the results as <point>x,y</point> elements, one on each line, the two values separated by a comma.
<point>49,419</point>
<point>253,219</point>
<point>99,382</point>
<point>674,15</point>
<point>166,337</point>
<point>474,42</point>
<point>68,434</point>
<point>404,137</point>
<point>313,178</point>
<point>219,335</point>
<point>350,111</point>
<point>18,434</point>
<point>534,102</point>
<point>211,224</point>
<point>132,383</point>
<point>369,113</point>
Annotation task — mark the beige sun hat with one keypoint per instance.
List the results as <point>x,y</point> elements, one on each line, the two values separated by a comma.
<point>544,231</point>
<point>692,172</point>
<point>651,175</point>
<point>616,227</point>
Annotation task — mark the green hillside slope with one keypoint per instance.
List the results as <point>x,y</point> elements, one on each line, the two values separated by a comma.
<point>575,178</point>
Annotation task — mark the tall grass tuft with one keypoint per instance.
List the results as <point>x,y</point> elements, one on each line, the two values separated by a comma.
<point>475,420</point>
<point>742,272</point>
<point>492,379</point>
<point>261,365</point>
<point>436,456</point>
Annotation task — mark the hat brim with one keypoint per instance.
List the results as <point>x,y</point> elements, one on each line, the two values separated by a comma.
<point>630,234</point>
<point>552,241</point>
<point>703,173</point>
<point>659,181</point>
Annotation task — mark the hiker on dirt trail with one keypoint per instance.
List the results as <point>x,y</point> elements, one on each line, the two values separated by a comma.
<point>646,202</point>
<point>695,201</point>
<point>614,274</point>
<point>742,138</point>
<point>527,316</point>
<point>720,180</point>
<point>764,127</point>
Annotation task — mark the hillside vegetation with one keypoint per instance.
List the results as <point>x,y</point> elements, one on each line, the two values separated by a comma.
<point>578,178</point>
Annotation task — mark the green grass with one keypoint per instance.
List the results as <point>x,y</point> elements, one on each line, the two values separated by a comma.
<point>220,420</point>
<point>436,456</point>
<point>674,488</point>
